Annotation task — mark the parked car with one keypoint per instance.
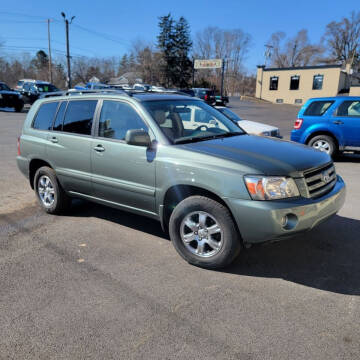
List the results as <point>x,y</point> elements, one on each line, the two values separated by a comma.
<point>214,187</point>
<point>10,98</point>
<point>189,92</point>
<point>21,82</point>
<point>142,87</point>
<point>31,91</point>
<point>251,127</point>
<point>92,86</point>
<point>329,124</point>
<point>210,96</point>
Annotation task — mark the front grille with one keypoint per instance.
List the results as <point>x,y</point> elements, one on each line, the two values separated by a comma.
<point>321,180</point>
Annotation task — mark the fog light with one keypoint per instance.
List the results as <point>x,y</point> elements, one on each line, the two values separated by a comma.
<point>289,221</point>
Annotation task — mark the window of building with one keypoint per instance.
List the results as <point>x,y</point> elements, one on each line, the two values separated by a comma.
<point>274,81</point>
<point>45,116</point>
<point>318,108</point>
<point>318,82</point>
<point>294,82</point>
<point>349,108</point>
<point>79,116</point>
<point>58,123</point>
<point>117,118</point>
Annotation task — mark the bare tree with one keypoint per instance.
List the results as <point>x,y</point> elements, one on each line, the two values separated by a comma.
<point>296,51</point>
<point>232,45</point>
<point>343,39</point>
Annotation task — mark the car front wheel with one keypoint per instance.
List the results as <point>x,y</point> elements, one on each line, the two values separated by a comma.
<point>203,232</point>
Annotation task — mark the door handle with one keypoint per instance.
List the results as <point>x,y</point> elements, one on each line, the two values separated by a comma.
<point>338,122</point>
<point>54,140</point>
<point>99,148</point>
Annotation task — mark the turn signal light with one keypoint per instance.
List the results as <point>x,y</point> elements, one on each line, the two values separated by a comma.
<point>298,123</point>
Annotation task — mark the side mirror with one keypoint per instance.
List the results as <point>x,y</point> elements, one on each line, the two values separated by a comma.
<point>138,137</point>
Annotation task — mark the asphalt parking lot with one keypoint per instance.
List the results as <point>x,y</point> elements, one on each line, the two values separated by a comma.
<point>103,284</point>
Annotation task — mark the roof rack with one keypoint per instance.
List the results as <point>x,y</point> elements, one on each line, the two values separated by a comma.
<point>130,93</point>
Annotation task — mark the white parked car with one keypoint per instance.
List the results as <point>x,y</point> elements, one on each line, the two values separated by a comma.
<point>251,127</point>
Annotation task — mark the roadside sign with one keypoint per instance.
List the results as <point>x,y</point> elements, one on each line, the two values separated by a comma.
<point>208,64</point>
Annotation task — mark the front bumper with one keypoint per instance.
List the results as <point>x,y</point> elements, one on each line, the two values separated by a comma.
<point>260,221</point>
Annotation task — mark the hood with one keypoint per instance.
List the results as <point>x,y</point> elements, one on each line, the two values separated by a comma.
<point>7,92</point>
<point>264,155</point>
<point>253,127</point>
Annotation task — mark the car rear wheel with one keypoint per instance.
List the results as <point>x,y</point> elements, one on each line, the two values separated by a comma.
<point>203,232</point>
<point>324,143</point>
<point>51,196</point>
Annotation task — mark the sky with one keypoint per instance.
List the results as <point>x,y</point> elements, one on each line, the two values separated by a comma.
<point>109,27</point>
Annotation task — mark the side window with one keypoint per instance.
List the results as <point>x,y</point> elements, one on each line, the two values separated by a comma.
<point>58,123</point>
<point>318,82</point>
<point>26,87</point>
<point>318,108</point>
<point>79,116</point>
<point>349,108</point>
<point>117,118</point>
<point>294,82</point>
<point>45,116</point>
<point>274,81</point>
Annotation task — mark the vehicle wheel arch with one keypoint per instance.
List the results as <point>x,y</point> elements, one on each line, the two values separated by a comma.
<point>34,165</point>
<point>322,132</point>
<point>176,193</point>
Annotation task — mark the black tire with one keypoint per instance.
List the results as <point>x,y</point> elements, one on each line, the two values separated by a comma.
<point>19,107</point>
<point>231,244</point>
<point>61,200</point>
<point>325,138</point>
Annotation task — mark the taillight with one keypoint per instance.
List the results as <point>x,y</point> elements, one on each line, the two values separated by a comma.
<point>18,146</point>
<point>206,97</point>
<point>298,123</point>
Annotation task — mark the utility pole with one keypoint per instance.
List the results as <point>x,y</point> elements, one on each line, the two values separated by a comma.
<point>67,22</point>
<point>222,77</point>
<point>49,43</point>
<point>193,72</point>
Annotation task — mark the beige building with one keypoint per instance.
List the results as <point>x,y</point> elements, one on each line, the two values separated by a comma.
<point>297,84</point>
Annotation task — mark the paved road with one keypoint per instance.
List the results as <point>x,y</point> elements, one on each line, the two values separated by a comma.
<point>102,284</point>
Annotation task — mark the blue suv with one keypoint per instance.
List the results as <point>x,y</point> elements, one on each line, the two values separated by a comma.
<point>330,124</point>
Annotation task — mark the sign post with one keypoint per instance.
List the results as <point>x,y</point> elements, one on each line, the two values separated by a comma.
<point>211,64</point>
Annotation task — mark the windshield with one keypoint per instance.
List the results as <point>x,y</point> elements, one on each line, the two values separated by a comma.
<point>230,114</point>
<point>4,87</point>
<point>46,88</point>
<point>190,120</point>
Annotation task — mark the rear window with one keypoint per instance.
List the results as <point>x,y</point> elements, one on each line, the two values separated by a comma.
<point>45,116</point>
<point>79,116</point>
<point>318,108</point>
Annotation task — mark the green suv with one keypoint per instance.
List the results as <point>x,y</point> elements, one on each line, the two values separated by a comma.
<point>210,184</point>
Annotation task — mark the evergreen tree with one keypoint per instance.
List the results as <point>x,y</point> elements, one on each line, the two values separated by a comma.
<point>124,65</point>
<point>174,42</point>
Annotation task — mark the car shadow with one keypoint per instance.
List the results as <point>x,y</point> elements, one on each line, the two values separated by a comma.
<point>326,258</point>
<point>348,158</point>
<point>83,208</point>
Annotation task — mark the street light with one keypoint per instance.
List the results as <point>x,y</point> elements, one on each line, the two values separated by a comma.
<point>67,22</point>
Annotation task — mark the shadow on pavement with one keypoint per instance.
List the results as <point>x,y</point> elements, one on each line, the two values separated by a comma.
<point>326,258</point>
<point>348,158</point>
<point>82,208</point>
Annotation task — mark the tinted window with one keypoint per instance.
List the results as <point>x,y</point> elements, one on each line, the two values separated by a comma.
<point>117,118</point>
<point>59,117</point>
<point>4,87</point>
<point>274,80</point>
<point>318,82</point>
<point>46,88</point>
<point>349,108</point>
<point>318,108</point>
<point>45,116</point>
<point>79,116</point>
<point>294,82</point>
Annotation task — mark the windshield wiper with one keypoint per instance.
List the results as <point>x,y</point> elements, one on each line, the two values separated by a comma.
<point>209,137</point>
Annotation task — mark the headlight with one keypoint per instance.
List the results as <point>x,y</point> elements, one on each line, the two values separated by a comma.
<point>271,187</point>
<point>265,133</point>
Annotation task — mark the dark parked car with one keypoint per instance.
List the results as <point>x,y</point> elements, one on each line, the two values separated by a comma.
<point>32,91</point>
<point>10,98</point>
<point>210,96</point>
